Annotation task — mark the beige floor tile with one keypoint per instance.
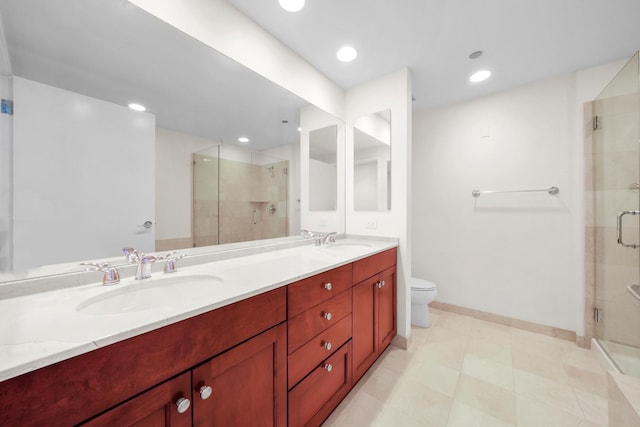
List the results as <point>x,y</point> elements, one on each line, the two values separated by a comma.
<point>381,383</point>
<point>448,353</point>
<point>490,372</point>
<point>548,366</point>
<point>489,350</point>
<point>534,413</point>
<point>491,331</point>
<point>594,407</point>
<point>419,402</point>
<point>463,415</point>
<point>362,410</point>
<point>396,359</point>
<point>560,396</point>
<point>583,379</point>
<point>488,398</point>
<point>434,376</point>
<point>581,358</point>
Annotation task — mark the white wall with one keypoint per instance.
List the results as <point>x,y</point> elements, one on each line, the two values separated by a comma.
<point>83,176</point>
<point>218,24</point>
<point>6,179</point>
<point>517,255</point>
<point>391,92</point>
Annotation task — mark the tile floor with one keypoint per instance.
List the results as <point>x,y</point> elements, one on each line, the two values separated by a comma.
<point>467,372</point>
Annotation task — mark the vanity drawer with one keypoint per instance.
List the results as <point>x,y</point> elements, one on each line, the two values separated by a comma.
<point>306,293</point>
<point>304,359</point>
<point>307,325</point>
<point>311,401</point>
<point>374,264</point>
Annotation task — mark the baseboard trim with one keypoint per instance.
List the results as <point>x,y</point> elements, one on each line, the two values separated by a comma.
<point>507,321</point>
<point>402,342</point>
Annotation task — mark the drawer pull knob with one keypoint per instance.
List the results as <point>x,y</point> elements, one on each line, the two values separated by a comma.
<point>383,283</point>
<point>183,405</point>
<point>327,345</point>
<point>327,316</point>
<point>328,286</point>
<point>380,285</point>
<point>205,392</point>
<point>328,367</point>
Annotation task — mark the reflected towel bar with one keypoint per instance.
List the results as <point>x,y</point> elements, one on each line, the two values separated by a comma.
<point>552,190</point>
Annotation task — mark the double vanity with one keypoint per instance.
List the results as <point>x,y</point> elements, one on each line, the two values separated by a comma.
<point>274,338</point>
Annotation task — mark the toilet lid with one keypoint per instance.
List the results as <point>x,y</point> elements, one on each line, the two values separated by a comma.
<point>422,285</point>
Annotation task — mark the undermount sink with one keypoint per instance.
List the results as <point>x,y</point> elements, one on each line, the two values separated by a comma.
<point>174,291</point>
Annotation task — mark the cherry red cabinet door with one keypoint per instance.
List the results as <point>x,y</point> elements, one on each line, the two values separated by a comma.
<point>157,407</point>
<point>386,323</point>
<point>248,384</point>
<point>365,348</point>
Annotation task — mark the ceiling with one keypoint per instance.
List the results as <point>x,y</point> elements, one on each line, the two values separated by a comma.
<point>114,51</point>
<point>522,40</point>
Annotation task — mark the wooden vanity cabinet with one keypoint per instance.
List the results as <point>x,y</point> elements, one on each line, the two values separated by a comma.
<point>77,389</point>
<point>319,334</point>
<point>374,309</point>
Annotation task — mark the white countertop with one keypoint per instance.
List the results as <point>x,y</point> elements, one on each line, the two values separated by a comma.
<point>44,328</point>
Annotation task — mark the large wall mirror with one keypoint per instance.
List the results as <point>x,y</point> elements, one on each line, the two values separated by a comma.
<point>372,162</point>
<point>214,159</point>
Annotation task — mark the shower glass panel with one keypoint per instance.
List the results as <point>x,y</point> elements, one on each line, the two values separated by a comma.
<point>205,197</point>
<point>615,184</point>
<point>238,195</point>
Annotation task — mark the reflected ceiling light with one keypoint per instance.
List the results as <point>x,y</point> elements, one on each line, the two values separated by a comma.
<point>476,54</point>
<point>243,139</point>
<point>347,54</point>
<point>480,76</point>
<point>137,107</point>
<point>292,5</point>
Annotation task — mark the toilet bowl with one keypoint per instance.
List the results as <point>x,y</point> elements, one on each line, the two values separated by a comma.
<point>422,293</point>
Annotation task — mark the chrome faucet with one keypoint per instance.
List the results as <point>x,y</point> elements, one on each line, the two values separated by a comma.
<point>111,275</point>
<point>144,262</point>
<point>319,237</point>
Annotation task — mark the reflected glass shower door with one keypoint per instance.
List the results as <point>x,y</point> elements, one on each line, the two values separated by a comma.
<point>616,222</point>
<point>205,207</point>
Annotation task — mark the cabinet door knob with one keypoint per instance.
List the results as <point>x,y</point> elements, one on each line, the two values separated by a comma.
<point>383,283</point>
<point>205,392</point>
<point>327,316</point>
<point>380,285</point>
<point>183,405</point>
<point>328,286</point>
<point>327,367</point>
<point>327,345</point>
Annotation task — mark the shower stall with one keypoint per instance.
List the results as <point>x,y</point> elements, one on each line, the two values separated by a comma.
<point>238,195</point>
<point>613,219</point>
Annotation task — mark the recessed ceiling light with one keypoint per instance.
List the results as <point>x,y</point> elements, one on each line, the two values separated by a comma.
<point>243,139</point>
<point>299,129</point>
<point>292,5</point>
<point>137,107</point>
<point>347,54</point>
<point>480,76</point>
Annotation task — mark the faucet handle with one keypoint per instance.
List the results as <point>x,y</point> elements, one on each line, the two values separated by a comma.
<point>111,275</point>
<point>171,264</point>
<point>131,255</point>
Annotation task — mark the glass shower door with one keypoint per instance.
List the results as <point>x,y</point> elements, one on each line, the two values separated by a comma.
<point>615,184</point>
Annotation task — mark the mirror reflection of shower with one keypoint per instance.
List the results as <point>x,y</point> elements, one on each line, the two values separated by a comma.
<point>238,195</point>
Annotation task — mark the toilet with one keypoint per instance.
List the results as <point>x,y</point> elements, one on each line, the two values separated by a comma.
<point>422,293</point>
